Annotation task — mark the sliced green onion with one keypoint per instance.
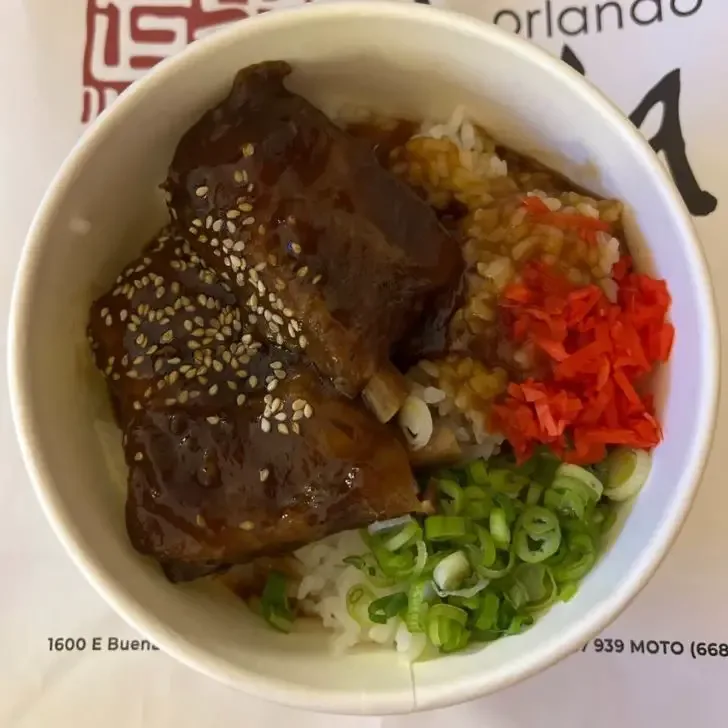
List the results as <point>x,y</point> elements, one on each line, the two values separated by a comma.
<point>579,559</point>
<point>627,472</point>
<point>477,502</point>
<point>507,482</point>
<point>452,498</point>
<point>537,521</point>
<point>417,605</point>
<point>498,569</point>
<point>444,528</point>
<point>477,472</point>
<point>568,496</point>
<point>533,543</point>
<point>369,566</point>
<point>446,627</point>
<point>450,573</point>
<point>358,599</point>
<point>486,617</point>
<point>406,535</point>
<point>540,585</point>
<point>274,602</point>
<point>383,609</point>
<point>568,591</point>
<point>566,470</point>
<point>499,528</point>
<point>533,496</point>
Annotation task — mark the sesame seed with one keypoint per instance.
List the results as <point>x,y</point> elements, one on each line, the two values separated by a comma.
<point>202,191</point>
<point>170,401</point>
<point>316,279</point>
<point>139,457</point>
<point>277,319</point>
<point>108,320</point>
<point>158,365</point>
<point>232,227</point>
<point>283,428</point>
<point>295,427</point>
<point>287,312</point>
<point>104,312</point>
<point>183,395</point>
<point>239,246</point>
<point>238,176</point>
<point>264,473</point>
<point>123,314</point>
<point>138,360</point>
<point>296,248</point>
<point>281,417</point>
<point>200,521</point>
<point>308,411</point>
<point>280,373</point>
<point>167,337</point>
<point>302,272</point>
<point>245,207</point>
<point>248,150</point>
<point>299,404</point>
<point>232,214</point>
<point>265,424</point>
<point>193,344</point>
<point>217,226</point>
<point>253,381</point>
<point>261,266</point>
<point>252,318</point>
<point>302,341</point>
<point>235,262</point>
<point>247,526</point>
<point>137,405</point>
<point>272,385</point>
<point>213,419</point>
<point>297,416</point>
<point>197,222</point>
<point>250,220</point>
<point>240,400</point>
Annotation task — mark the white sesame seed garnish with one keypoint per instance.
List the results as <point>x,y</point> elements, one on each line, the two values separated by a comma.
<point>139,457</point>
<point>265,424</point>
<point>281,417</point>
<point>217,226</point>
<point>250,220</point>
<point>308,411</point>
<point>213,419</point>
<point>248,150</point>
<point>253,381</point>
<point>302,272</point>
<point>232,214</point>
<point>240,400</point>
<point>193,344</point>
<point>296,248</point>
<point>299,404</point>
<point>238,176</point>
<point>108,320</point>
<point>137,405</point>
<point>272,385</point>
<point>200,521</point>
<point>296,428</point>
<point>167,337</point>
<point>247,526</point>
<point>197,222</point>
<point>231,227</point>
<point>302,341</point>
<point>297,416</point>
<point>202,191</point>
<point>283,428</point>
<point>170,401</point>
<point>264,473</point>
<point>316,279</point>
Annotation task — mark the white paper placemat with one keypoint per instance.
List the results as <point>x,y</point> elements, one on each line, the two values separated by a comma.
<point>62,662</point>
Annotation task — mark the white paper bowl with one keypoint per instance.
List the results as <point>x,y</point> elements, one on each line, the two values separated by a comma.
<point>407,60</point>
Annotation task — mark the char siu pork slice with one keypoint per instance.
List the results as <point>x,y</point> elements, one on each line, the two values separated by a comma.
<point>236,447</point>
<point>326,250</point>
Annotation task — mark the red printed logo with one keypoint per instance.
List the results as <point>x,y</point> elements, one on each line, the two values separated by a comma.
<point>125,38</point>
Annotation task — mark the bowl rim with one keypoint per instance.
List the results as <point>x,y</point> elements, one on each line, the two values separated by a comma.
<point>278,690</point>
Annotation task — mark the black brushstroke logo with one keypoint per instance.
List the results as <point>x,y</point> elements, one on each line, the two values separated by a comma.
<point>669,138</point>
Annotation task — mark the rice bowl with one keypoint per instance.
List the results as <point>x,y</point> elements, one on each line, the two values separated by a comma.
<point>629,172</point>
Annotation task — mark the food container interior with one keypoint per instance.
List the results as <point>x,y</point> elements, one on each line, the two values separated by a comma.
<point>107,203</point>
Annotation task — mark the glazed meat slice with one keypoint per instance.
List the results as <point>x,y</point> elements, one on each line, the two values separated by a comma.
<point>222,488</point>
<point>235,446</point>
<point>326,250</point>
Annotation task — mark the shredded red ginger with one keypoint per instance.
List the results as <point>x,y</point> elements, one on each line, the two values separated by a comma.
<point>598,352</point>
